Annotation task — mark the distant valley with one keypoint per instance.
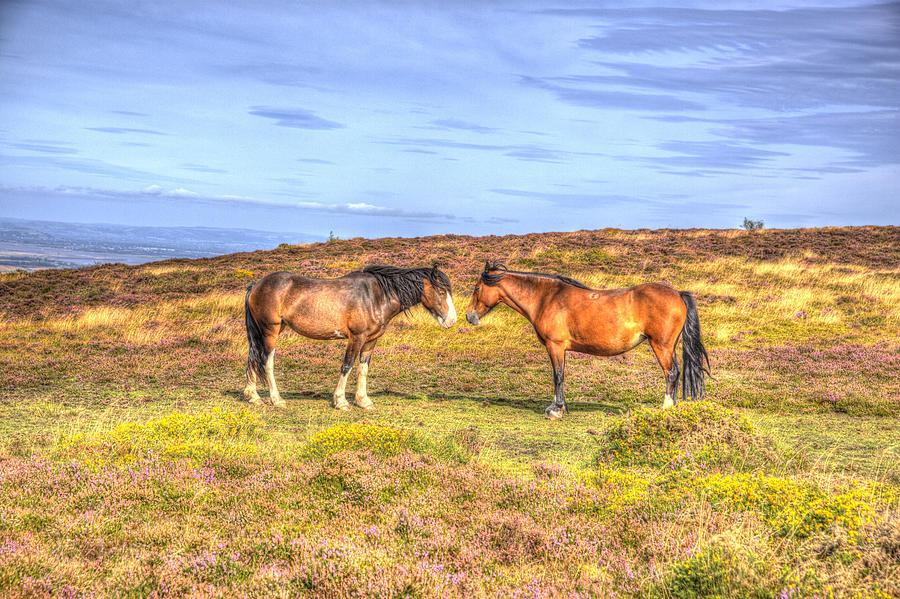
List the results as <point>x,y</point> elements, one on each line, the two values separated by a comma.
<point>33,245</point>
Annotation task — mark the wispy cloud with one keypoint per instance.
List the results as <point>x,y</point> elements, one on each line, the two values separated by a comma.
<point>525,152</point>
<point>275,73</point>
<point>294,117</point>
<point>779,60</point>
<point>461,125</point>
<point>607,97</point>
<point>88,166</point>
<point>124,130</point>
<point>44,147</point>
<point>572,199</point>
<point>201,168</point>
<point>709,155</point>
<point>184,196</point>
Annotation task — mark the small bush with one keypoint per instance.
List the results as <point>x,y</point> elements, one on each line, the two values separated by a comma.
<point>199,437</point>
<point>691,435</point>
<point>383,441</point>
<point>753,225</point>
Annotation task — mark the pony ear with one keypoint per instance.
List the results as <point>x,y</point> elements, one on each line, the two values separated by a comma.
<point>487,265</point>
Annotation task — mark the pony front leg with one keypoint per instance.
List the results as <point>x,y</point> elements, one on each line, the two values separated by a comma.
<point>558,408</point>
<point>274,396</point>
<point>353,348</point>
<point>362,395</point>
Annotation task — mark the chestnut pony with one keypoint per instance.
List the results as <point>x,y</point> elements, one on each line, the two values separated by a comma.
<point>569,316</point>
<point>356,307</point>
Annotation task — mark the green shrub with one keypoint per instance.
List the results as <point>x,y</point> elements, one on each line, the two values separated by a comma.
<point>384,441</point>
<point>690,435</point>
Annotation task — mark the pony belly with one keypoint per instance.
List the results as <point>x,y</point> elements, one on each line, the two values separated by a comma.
<point>317,330</point>
<point>610,347</point>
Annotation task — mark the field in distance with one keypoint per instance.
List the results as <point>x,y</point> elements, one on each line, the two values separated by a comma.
<point>131,466</point>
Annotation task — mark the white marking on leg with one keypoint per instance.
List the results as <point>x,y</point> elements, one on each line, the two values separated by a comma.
<point>668,402</point>
<point>362,395</point>
<point>270,380</point>
<point>250,393</point>
<point>340,399</point>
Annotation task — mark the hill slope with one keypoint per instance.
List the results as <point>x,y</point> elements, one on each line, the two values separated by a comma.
<point>131,464</point>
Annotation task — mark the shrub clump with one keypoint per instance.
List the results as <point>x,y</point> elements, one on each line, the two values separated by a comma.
<point>386,441</point>
<point>691,435</point>
<point>790,508</point>
<point>383,441</point>
<point>196,437</point>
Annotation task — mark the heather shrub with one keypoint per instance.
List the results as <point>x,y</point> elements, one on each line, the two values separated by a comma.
<point>691,435</point>
<point>197,437</point>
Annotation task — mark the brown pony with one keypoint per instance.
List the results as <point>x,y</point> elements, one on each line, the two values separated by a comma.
<point>357,307</point>
<point>569,316</point>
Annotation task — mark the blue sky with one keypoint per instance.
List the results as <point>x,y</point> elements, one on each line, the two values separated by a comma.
<point>411,118</point>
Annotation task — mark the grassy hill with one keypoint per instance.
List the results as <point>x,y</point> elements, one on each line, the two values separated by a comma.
<point>130,466</point>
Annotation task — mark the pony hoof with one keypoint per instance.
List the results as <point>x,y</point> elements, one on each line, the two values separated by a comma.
<point>668,402</point>
<point>343,406</point>
<point>365,403</point>
<point>279,403</point>
<point>256,400</point>
<point>553,414</point>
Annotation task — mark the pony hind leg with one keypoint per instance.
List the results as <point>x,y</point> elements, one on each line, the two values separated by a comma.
<point>274,396</point>
<point>665,355</point>
<point>353,348</point>
<point>250,392</point>
<point>261,345</point>
<point>557,409</point>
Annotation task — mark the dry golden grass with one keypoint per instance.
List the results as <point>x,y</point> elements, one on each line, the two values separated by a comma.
<point>149,324</point>
<point>164,269</point>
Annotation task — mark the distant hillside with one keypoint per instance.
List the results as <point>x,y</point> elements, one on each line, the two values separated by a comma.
<point>30,245</point>
<point>653,255</point>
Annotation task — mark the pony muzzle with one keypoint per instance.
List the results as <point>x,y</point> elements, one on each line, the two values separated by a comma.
<point>448,319</point>
<point>472,318</point>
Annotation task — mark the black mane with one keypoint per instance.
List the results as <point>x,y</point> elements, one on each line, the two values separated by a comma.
<point>406,284</point>
<point>492,279</point>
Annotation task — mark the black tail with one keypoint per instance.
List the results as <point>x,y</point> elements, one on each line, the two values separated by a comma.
<point>256,356</point>
<point>693,353</point>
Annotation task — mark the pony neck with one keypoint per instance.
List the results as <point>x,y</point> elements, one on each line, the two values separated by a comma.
<point>519,294</point>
